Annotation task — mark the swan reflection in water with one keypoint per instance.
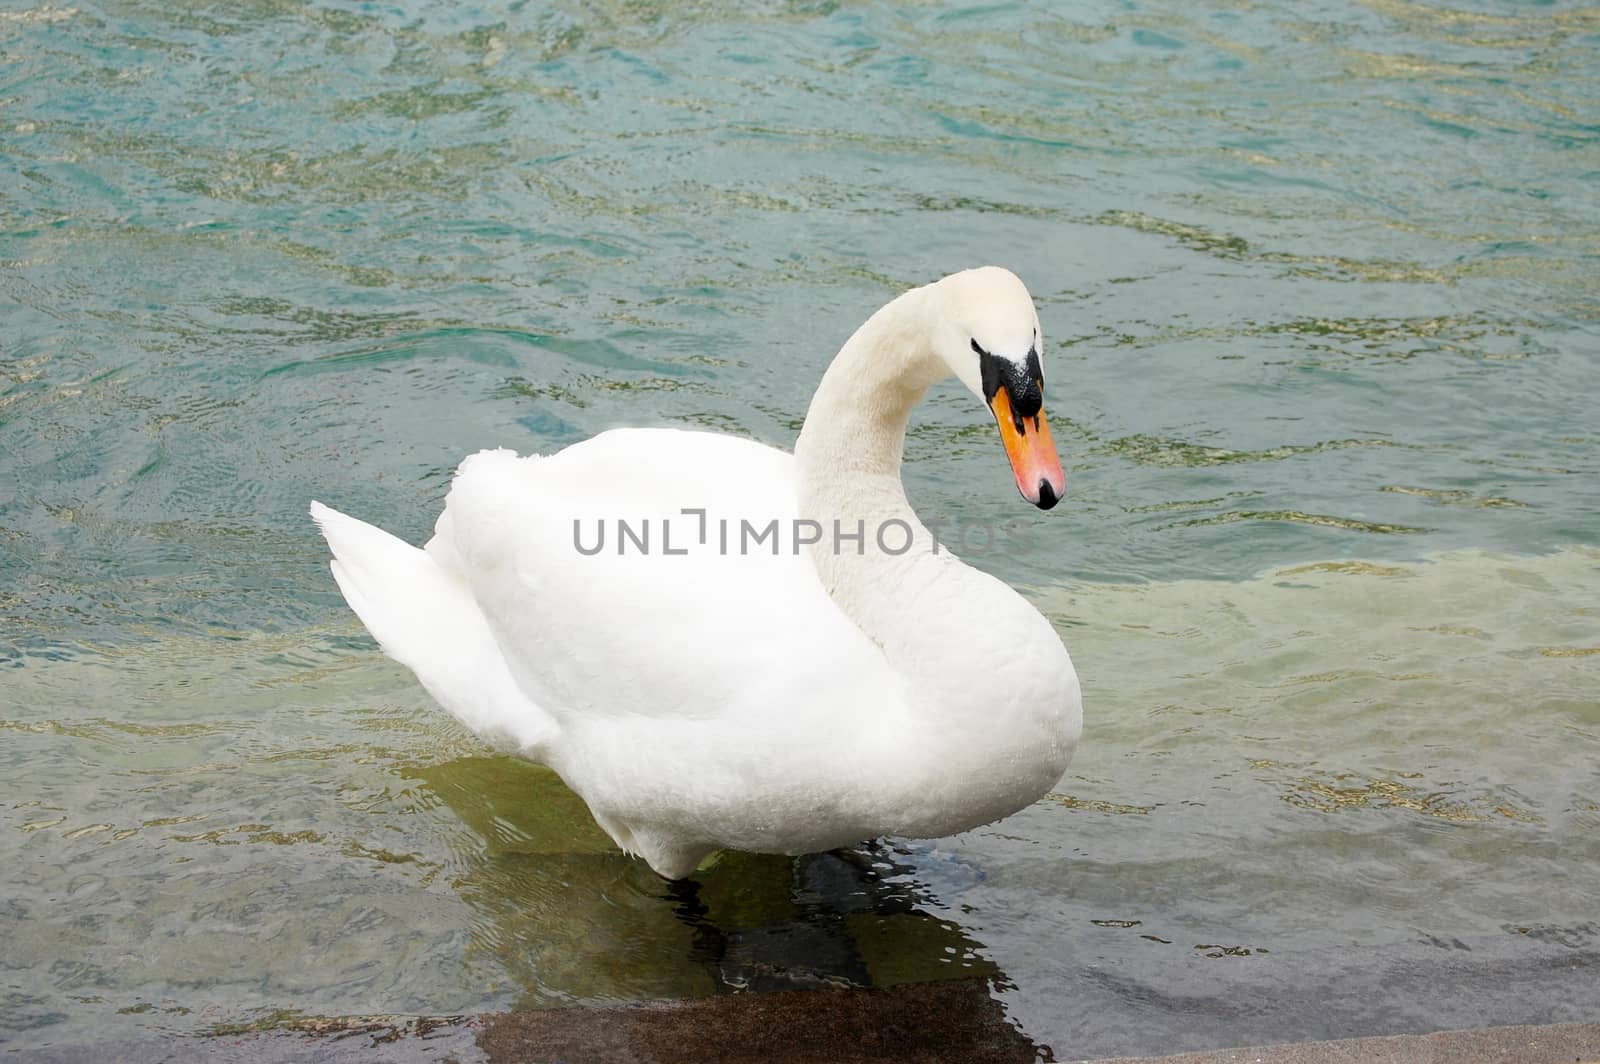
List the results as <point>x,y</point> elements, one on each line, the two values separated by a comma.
<point>831,953</point>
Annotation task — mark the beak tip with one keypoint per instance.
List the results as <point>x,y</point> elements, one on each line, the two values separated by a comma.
<point>1047,496</point>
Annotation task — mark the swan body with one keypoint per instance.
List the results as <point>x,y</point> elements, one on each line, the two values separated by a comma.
<point>721,645</point>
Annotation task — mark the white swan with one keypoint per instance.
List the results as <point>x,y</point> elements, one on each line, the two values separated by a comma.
<point>708,679</point>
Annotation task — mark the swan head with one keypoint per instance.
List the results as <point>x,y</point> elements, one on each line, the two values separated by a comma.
<point>988,334</point>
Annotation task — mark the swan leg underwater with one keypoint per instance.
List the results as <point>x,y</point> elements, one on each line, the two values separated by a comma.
<point>798,664</point>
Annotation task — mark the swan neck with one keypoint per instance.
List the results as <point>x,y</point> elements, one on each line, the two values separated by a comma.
<point>848,464</point>
<point>856,425</point>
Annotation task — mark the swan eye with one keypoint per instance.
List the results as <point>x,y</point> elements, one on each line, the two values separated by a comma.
<point>981,353</point>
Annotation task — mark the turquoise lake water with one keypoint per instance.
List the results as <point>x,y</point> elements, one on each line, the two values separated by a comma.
<point>1320,285</point>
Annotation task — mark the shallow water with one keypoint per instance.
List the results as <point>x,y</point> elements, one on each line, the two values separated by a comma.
<point>1319,288</point>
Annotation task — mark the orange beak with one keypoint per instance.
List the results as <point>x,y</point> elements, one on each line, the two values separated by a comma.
<point>1033,456</point>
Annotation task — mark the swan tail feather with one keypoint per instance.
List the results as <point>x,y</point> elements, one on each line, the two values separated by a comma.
<point>425,618</point>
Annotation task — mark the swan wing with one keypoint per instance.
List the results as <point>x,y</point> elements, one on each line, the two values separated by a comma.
<point>608,599</point>
<point>425,617</point>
